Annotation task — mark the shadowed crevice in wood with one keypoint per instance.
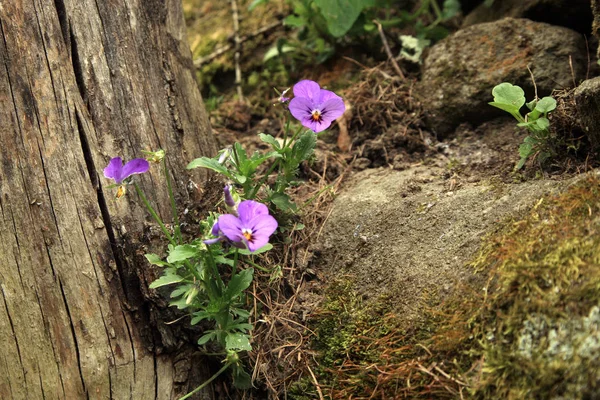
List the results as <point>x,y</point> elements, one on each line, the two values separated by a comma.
<point>12,327</point>
<point>77,71</point>
<point>78,356</point>
<point>62,20</point>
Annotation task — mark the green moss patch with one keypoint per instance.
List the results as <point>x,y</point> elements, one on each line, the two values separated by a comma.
<point>531,331</point>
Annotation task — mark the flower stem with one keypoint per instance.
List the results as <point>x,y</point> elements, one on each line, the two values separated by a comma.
<point>235,262</point>
<point>209,380</point>
<point>263,179</point>
<point>173,205</point>
<point>154,214</point>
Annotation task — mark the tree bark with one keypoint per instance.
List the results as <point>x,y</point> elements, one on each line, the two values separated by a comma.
<point>82,81</point>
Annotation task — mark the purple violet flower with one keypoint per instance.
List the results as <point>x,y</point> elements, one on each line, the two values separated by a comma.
<point>252,228</point>
<point>119,172</point>
<point>314,107</point>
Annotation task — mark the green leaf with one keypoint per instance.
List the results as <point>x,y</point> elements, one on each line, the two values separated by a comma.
<point>270,140</point>
<point>207,337</point>
<point>180,290</point>
<point>237,341</point>
<point>545,105</point>
<point>304,146</point>
<point>156,260</point>
<point>191,294</point>
<point>276,51</point>
<point>294,21</point>
<point>241,379</point>
<point>451,8</point>
<point>543,123</point>
<point>166,279</point>
<point>199,316</point>
<point>210,163</point>
<point>182,252</point>
<point>238,284</point>
<point>525,149</point>
<point>283,202</point>
<point>412,47</point>
<point>341,14</point>
<point>263,249</point>
<point>509,95</point>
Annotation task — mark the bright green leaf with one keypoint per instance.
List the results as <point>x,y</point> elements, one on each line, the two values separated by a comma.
<point>207,337</point>
<point>210,163</point>
<point>545,105</point>
<point>508,94</point>
<point>182,252</point>
<point>166,279</point>
<point>542,123</point>
<point>156,260</point>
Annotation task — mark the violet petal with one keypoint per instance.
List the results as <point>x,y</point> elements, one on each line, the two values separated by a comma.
<point>249,209</point>
<point>308,89</point>
<point>332,109</point>
<point>301,107</point>
<point>231,226</point>
<point>135,166</point>
<point>114,170</point>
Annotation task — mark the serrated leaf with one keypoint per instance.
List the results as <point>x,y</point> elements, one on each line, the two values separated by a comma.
<point>182,252</point>
<point>155,260</point>
<point>237,341</point>
<point>166,279</point>
<point>294,21</point>
<point>180,290</point>
<point>283,202</point>
<point>238,284</point>
<point>509,94</point>
<point>270,140</point>
<point>304,146</point>
<point>199,316</point>
<point>545,105</point>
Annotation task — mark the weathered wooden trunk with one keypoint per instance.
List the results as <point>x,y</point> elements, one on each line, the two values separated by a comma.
<point>82,81</point>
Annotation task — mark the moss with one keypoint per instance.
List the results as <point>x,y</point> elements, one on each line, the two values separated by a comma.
<point>534,332</point>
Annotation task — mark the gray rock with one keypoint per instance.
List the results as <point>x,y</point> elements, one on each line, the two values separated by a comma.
<point>574,14</point>
<point>405,235</point>
<point>587,98</point>
<point>460,71</point>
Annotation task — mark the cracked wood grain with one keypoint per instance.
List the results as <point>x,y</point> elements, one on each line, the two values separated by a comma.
<point>82,81</point>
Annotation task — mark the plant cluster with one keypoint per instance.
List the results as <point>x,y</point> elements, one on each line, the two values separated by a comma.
<point>207,271</point>
<point>538,144</point>
<point>322,24</point>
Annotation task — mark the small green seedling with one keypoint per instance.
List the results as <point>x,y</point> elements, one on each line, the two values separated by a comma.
<point>511,99</point>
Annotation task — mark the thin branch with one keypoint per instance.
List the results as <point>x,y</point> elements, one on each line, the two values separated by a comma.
<point>200,61</point>
<point>238,46</point>
<point>387,49</point>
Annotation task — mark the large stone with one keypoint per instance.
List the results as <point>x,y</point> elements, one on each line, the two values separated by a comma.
<point>460,71</point>
<point>587,98</point>
<point>574,14</point>
<point>408,235</point>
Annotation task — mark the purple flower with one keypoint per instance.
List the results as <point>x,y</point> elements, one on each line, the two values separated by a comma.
<point>314,107</point>
<point>119,172</point>
<point>253,227</point>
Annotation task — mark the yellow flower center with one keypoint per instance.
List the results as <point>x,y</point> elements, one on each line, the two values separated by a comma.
<point>316,116</point>
<point>247,233</point>
<point>120,191</point>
